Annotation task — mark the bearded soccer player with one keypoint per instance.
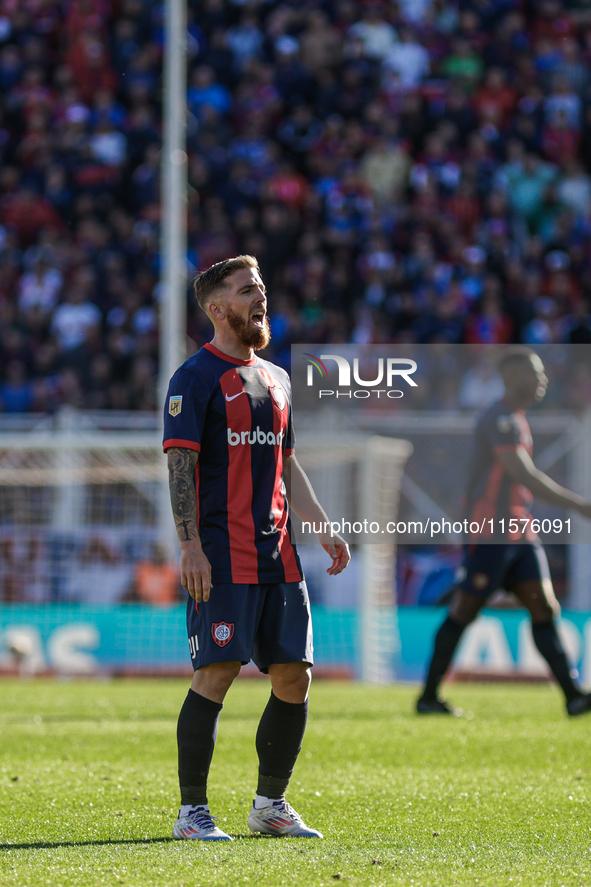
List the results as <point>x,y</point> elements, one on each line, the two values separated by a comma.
<point>502,480</point>
<point>230,443</point>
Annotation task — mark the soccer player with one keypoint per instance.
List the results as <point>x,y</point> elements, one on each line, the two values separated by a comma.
<point>230,443</point>
<point>502,480</point>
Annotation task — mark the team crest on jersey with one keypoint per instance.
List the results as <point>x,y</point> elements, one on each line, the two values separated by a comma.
<point>175,404</point>
<point>222,632</point>
<point>505,424</point>
<point>278,396</point>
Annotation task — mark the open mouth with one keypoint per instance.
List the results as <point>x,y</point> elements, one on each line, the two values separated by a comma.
<point>258,318</point>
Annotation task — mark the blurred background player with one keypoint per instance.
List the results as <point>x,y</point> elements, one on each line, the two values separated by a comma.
<point>502,482</point>
<point>228,432</point>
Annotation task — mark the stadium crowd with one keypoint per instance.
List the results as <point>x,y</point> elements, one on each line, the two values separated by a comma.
<point>405,171</point>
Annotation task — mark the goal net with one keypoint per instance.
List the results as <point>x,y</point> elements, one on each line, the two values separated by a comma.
<point>67,499</point>
<point>82,512</point>
<point>79,514</point>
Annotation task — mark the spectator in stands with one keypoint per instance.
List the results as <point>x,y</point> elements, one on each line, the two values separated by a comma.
<point>409,59</point>
<point>325,139</point>
<point>321,43</point>
<point>375,32</point>
<point>28,213</point>
<point>74,318</point>
<point>245,40</point>
<point>205,91</point>
<point>99,574</point>
<point>488,325</point>
<point>16,392</point>
<point>40,287</point>
<point>157,580</point>
<point>385,168</point>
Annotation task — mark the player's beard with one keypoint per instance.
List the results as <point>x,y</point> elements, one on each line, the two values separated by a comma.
<point>249,336</point>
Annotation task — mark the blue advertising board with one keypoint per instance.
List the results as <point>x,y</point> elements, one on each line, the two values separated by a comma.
<point>88,640</point>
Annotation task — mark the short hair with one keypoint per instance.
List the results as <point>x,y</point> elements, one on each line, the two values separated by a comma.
<point>214,278</point>
<point>512,356</point>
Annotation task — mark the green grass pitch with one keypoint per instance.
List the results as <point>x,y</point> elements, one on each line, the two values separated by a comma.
<point>88,791</point>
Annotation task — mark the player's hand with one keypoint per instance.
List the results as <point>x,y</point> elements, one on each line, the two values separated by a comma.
<point>338,550</point>
<point>195,571</point>
<point>585,510</point>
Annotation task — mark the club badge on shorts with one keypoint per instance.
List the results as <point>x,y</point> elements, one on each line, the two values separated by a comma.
<point>222,632</point>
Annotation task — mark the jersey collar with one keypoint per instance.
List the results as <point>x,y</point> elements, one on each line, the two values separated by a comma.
<point>235,360</point>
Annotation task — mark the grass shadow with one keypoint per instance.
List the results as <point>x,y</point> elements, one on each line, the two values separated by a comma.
<point>48,845</point>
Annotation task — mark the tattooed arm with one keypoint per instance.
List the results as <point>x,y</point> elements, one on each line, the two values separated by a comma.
<point>195,568</point>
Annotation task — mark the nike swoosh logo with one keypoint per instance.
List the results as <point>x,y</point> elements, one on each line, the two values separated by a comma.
<point>234,396</point>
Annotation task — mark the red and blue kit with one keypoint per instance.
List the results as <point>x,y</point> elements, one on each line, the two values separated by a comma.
<point>494,499</point>
<point>493,496</point>
<point>237,415</point>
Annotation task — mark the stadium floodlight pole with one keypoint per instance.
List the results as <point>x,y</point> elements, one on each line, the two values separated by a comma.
<point>174,195</point>
<point>173,244</point>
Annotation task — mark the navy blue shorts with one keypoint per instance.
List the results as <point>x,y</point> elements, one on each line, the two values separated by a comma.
<point>489,567</point>
<point>269,624</point>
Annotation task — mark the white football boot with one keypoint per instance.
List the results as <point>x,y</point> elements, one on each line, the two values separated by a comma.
<point>279,818</point>
<point>200,825</point>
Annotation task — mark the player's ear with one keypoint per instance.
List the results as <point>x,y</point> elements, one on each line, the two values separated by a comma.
<point>216,310</point>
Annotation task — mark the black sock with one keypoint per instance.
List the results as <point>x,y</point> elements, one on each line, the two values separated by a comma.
<point>196,734</point>
<point>446,641</point>
<point>550,646</point>
<point>278,742</point>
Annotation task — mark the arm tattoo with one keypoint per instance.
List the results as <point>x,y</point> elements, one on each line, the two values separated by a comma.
<point>185,525</point>
<point>181,472</point>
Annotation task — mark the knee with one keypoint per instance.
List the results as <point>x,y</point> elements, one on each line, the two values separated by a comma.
<point>544,607</point>
<point>545,611</point>
<point>464,607</point>
<point>291,682</point>
<point>224,673</point>
<point>301,682</point>
<point>462,618</point>
<point>213,681</point>
<point>462,615</point>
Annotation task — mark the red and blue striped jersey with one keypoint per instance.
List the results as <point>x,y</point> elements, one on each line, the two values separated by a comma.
<point>237,415</point>
<point>492,493</point>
